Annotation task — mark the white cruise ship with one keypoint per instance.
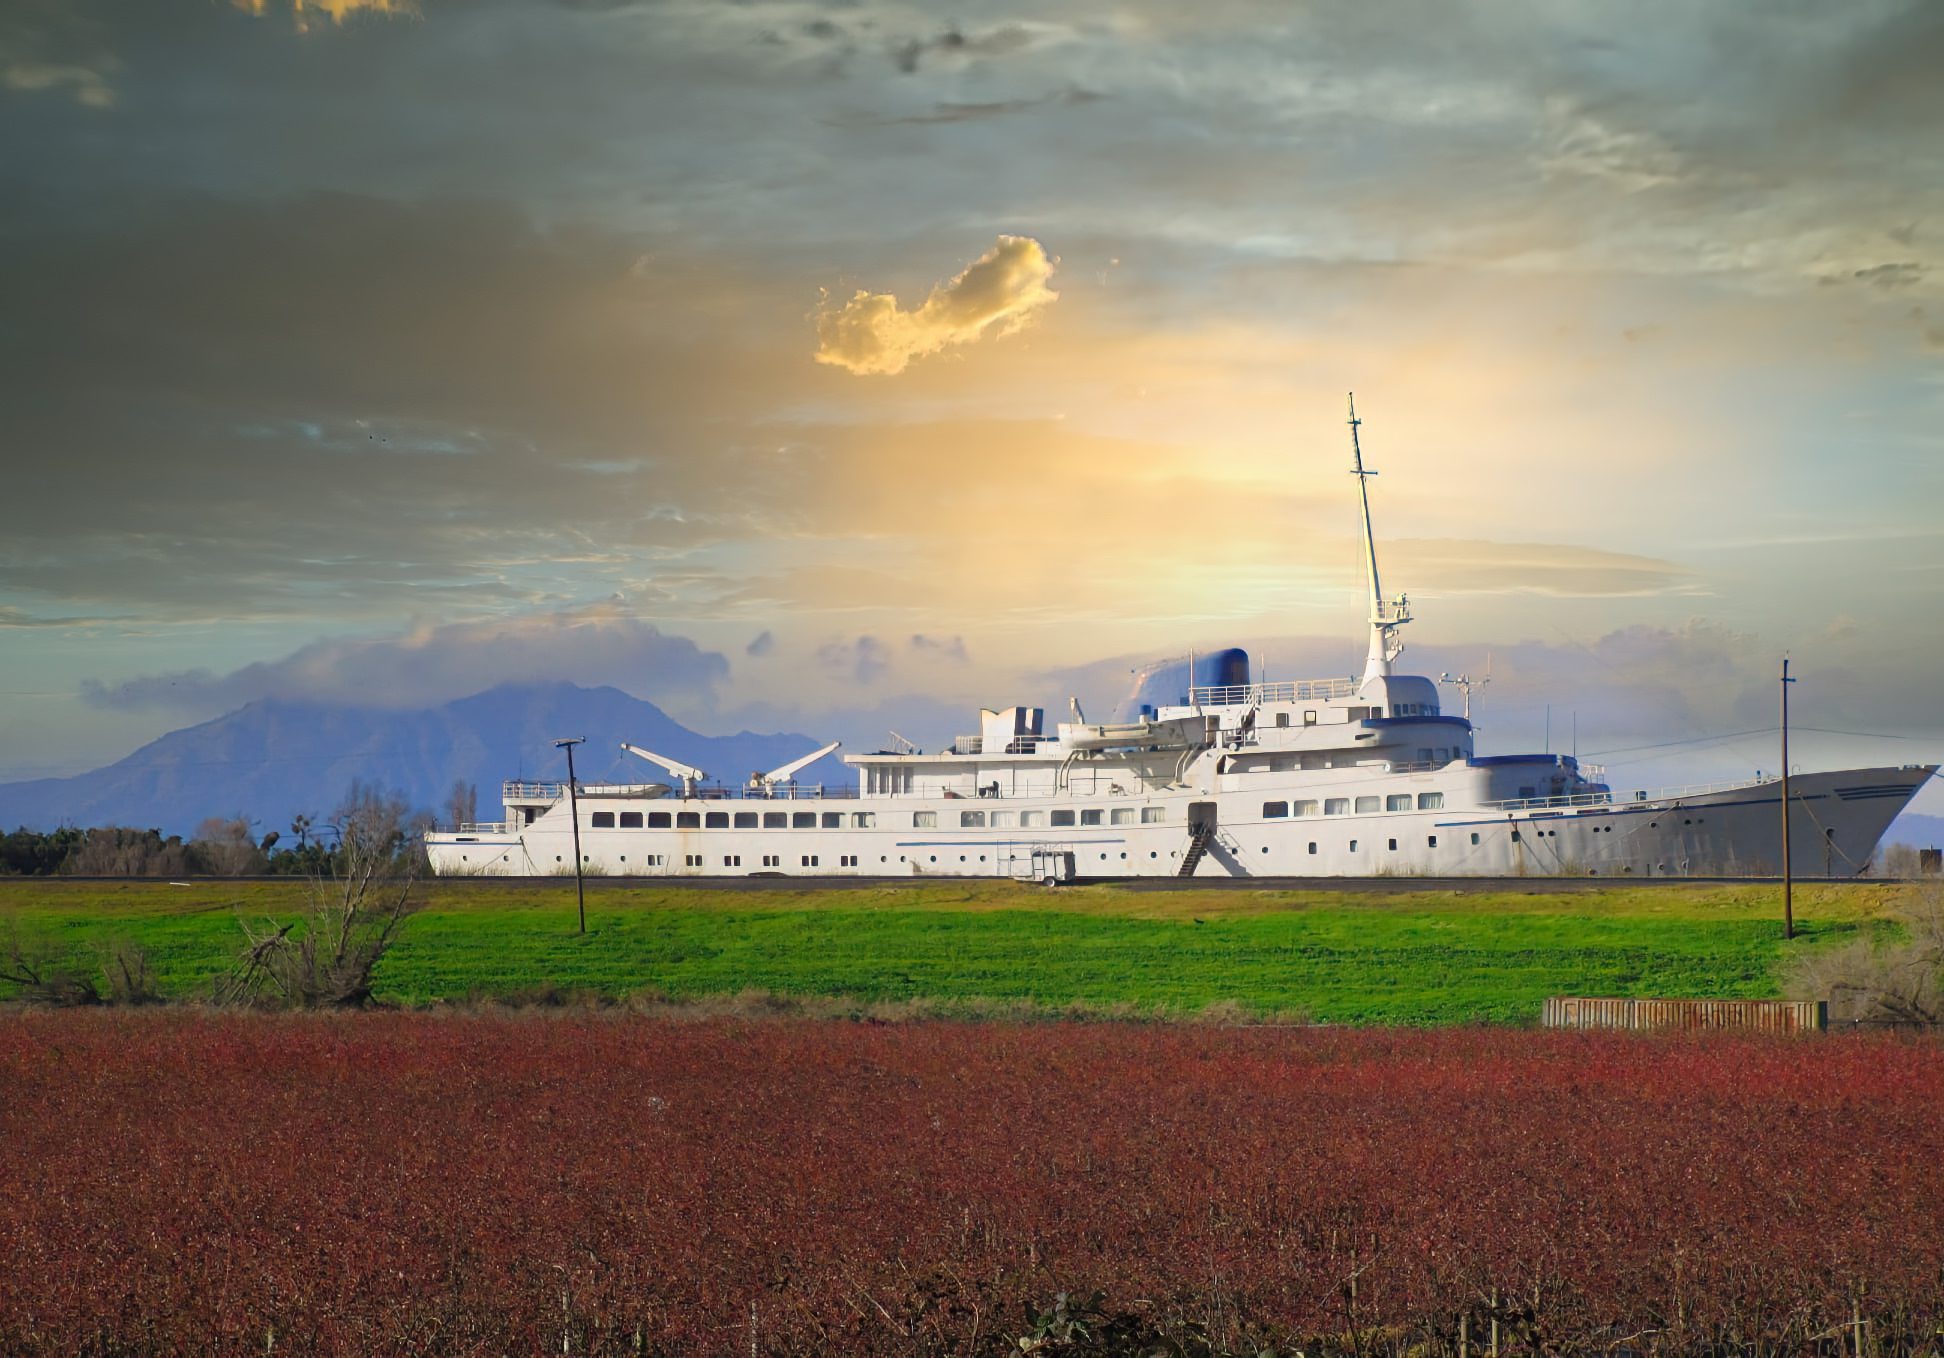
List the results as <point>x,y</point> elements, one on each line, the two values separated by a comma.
<point>1202,772</point>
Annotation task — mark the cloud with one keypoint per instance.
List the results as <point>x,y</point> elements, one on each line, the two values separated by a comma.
<point>956,42</point>
<point>1459,566</point>
<point>761,644</point>
<point>89,86</point>
<point>871,333</point>
<point>951,648</point>
<point>865,659</point>
<point>428,665</point>
<point>334,10</point>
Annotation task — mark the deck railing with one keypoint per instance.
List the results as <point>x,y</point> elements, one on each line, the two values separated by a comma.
<point>1647,795</point>
<point>1282,691</point>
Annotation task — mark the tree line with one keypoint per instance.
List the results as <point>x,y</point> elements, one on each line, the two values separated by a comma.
<point>232,846</point>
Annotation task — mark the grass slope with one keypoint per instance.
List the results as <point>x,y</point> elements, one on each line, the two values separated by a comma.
<point>1405,956</point>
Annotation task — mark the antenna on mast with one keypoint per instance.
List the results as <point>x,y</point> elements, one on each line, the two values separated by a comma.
<point>1386,615</point>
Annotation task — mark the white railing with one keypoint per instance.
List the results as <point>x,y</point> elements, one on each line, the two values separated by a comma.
<point>1283,691</point>
<point>485,827</point>
<point>1014,744</point>
<point>513,789</point>
<point>1649,795</point>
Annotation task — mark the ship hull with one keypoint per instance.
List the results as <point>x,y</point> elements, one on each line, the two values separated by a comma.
<point>1836,820</point>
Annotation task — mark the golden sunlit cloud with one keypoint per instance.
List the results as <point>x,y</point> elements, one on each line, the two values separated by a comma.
<point>871,333</point>
<point>335,10</point>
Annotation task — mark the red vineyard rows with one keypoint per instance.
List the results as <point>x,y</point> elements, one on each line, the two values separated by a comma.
<point>185,1183</point>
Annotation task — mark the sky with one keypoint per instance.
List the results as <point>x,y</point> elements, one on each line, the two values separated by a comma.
<point>834,367</point>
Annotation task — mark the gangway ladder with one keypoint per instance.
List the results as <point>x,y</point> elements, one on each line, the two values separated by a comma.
<point>1198,841</point>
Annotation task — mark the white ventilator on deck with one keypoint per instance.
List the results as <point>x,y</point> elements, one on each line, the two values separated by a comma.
<point>688,773</point>
<point>788,771</point>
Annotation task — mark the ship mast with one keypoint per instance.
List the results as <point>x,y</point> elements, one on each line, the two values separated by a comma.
<point>1386,615</point>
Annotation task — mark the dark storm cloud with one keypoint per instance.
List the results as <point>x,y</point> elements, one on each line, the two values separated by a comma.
<point>590,646</point>
<point>238,407</point>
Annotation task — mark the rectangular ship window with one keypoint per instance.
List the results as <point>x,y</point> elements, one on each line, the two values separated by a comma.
<point>863,820</point>
<point>1302,808</point>
<point>1430,801</point>
<point>1090,817</point>
<point>1032,818</point>
<point>1274,810</point>
<point>803,820</point>
<point>810,860</point>
<point>1062,818</point>
<point>971,820</point>
<point>688,820</point>
<point>776,820</point>
<point>772,860</point>
<point>924,820</point>
<point>1398,801</point>
<point>833,820</point>
<point>1474,836</point>
<point>1312,846</point>
<point>1153,815</point>
<point>1431,842</point>
<point>1004,820</point>
<point>716,820</point>
<point>746,820</point>
<point>1336,806</point>
<point>603,820</point>
<point>1122,815</point>
<point>659,820</point>
<point>630,820</point>
<point>1368,804</point>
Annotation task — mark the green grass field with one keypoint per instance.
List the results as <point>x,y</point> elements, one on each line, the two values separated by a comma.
<point>1406,956</point>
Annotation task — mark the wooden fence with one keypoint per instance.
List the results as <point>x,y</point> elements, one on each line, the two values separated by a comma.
<point>1762,1016</point>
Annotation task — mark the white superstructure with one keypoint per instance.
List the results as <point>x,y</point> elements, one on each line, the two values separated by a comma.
<point>1203,772</point>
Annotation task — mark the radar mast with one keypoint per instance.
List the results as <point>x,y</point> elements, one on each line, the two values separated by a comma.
<point>1386,615</point>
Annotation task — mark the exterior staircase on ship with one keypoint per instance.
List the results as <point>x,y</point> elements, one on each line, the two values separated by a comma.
<point>1199,839</point>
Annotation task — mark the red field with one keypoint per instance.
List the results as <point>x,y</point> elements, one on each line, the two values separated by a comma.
<point>383,1183</point>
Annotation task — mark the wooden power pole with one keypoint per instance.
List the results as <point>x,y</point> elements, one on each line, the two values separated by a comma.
<point>573,813</point>
<point>1788,877</point>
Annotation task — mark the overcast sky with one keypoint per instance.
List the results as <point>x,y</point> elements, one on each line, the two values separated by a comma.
<point>823,364</point>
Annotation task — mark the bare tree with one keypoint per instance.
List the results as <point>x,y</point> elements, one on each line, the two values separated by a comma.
<point>1900,860</point>
<point>1883,981</point>
<point>120,851</point>
<point>226,848</point>
<point>462,804</point>
<point>352,916</point>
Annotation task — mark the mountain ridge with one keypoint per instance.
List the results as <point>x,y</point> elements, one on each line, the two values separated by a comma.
<point>272,759</point>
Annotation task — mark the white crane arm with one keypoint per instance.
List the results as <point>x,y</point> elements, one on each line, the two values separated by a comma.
<point>688,773</point>
<point>787,771</point>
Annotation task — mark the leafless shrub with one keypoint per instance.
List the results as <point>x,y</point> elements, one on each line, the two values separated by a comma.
<point>352,916</point>
<point>125,964</point>
<point>40,978</point>
<point>1883,981</point>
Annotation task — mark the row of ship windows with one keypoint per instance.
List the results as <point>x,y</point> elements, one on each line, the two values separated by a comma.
<point>1340,806</point>
<point>850,860</point>
<point>866,820</point>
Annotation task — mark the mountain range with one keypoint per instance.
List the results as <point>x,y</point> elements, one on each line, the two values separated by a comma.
<point>272,760</point>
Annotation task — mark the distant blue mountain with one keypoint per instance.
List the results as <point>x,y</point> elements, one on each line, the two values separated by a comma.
<point>272,760</point>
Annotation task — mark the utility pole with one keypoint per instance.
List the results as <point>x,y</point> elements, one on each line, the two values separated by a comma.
<point>573,813</point>
<point>1788,878</point>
